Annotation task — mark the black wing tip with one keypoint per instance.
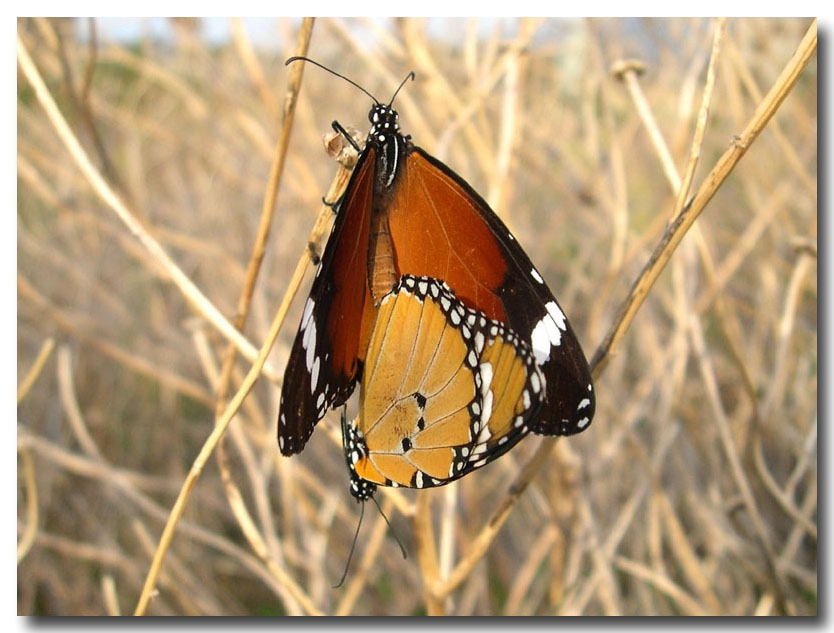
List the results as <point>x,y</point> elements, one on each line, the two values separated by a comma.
<point>577,421</point>
<point>291,444</point>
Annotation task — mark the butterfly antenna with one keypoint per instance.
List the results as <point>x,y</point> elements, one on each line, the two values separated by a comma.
<point>352,547</point>
<point>407,77</point>
<point>396,538</point>
<point>332,72</point>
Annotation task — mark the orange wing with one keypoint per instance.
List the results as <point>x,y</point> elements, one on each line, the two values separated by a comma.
<point>437,232</point>
<point>445,391</point>
<point>440,227</point>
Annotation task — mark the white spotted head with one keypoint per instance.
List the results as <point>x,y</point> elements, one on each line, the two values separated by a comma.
<point>384,122</point>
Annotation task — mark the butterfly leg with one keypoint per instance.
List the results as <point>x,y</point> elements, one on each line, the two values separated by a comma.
<point>338,127</point>
<point>334,206</point>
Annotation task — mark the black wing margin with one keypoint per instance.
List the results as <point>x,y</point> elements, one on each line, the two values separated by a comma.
<point>322,369</point>
<point>535,315</point>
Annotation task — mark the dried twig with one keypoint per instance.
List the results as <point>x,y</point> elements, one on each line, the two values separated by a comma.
<point>193,294</point>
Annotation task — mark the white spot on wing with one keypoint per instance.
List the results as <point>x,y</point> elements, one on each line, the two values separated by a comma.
<point>309,343</point>
<point>479,342</point>
<point>547,333</point>
<point>558,316</point>
<point>487,411</point>
<point>536,276</point>
<point>486,375</point>
<point>585,402</point>
<point>314,375</point>
<point>583,423</point>
<point>308,311</point>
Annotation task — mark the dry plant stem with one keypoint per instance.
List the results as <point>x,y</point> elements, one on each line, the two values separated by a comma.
<point>177,580</point>
<point>685,554</point>
<point>111,598</point>
<point>131,361</point>
<point>195,104</point>
<point>89,466</point>
<point>268,208</point>
<point>235,499</point>
<point>480,544</point>
<point>88,552</point>
<point>276,171</point>
<point>586,588</point>
<point>538,553</point>
<point>427,555</point>
<point>360,578</point>
<point>37,368</point>
<point>682,599</point>
<point>339,183</point>
<point>785,326</point>
<point>765,606</point>
<point>778,494</point>
<point>70,403</point>
<point>701,126</point>
<point>253,67</point>
<point>236,502</point>
<point>195,297</point>
<point>731,452</point>
<point>128,483</point>
<point>808,509</point>
<point>206,451</point>
<point>722,169</point>
<point>628,71</point>
<point>31,505</point>
<point>805,460</point>
<point>789,152</point>
<point>83,105</point>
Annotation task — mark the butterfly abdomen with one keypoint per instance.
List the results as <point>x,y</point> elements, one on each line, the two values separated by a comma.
<point>382,272</point>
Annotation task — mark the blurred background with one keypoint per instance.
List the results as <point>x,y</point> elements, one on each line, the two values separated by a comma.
<point>694,491</point>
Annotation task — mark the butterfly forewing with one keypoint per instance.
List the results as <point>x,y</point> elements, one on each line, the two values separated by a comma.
<point>477,256</point>
<point>326,355</point>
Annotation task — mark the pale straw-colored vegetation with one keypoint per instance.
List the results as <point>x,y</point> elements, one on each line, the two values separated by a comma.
<point>169,200</point>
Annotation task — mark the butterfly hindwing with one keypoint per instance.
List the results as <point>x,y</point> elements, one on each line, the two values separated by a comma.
<point>445,391</point>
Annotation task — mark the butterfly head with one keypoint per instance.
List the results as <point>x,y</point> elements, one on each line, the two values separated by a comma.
<point>384,123</point>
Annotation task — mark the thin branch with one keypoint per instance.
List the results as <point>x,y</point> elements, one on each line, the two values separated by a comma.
<point>719,173</point>
<point>36,369</point>
<point>190,291</point>
<point>703,116</point>
<point>31,530</point>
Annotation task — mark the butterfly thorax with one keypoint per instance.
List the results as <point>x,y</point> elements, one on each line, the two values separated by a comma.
<point>390,148</point>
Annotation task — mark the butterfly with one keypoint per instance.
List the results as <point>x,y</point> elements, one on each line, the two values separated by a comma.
<point>425,298</point>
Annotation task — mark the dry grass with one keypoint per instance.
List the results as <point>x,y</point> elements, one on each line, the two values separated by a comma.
<point>694,491</point>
